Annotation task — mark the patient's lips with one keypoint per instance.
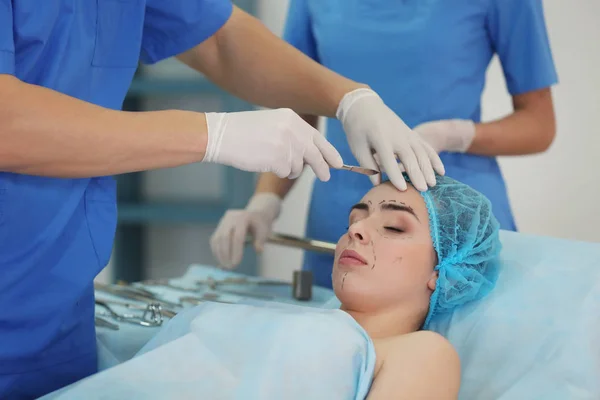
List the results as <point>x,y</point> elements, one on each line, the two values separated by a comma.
<point>351,257</point>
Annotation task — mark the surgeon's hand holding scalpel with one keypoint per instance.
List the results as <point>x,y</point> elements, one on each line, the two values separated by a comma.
<point>377,137</point>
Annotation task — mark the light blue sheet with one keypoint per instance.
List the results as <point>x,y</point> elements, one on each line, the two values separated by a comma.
<point>115,347</point>
<point>537,335</point>
<point>236,351</point>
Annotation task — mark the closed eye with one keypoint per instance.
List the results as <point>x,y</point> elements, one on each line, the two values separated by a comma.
<point>391,228</point>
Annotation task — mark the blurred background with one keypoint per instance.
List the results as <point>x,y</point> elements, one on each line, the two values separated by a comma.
<point>166,217</point>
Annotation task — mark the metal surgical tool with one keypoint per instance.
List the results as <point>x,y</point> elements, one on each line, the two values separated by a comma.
<point>213,285</point>
<point>359,170</point>
<point>165,312</point>
<point>101,322</point>
<point>316,246</point>
<point>152,315</point>
<point>134,294</point>
<point>167,283</point>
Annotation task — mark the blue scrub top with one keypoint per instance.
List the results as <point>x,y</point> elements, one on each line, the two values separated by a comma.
<point>57,234</point>
<point>427,59</point>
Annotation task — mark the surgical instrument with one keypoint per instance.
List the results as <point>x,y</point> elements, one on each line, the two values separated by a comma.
<point>165,312</point>
<point>359,170</point>
<point>168,284</point>
<point>101,322</point>
<point>213,285</point>
<point>152,315</point>
<point>206,297</point>
<point>243,280</point>
<point>300,243</point>
<point>133,294</point>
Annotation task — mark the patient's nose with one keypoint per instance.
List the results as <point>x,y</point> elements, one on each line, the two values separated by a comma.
<point>358,232</point>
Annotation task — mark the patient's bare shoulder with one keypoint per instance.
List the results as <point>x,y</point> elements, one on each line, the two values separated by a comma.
<point>420,365</point>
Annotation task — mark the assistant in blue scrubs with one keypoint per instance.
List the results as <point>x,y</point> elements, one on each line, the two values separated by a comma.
<point>57,234</point>
<point>427,59</point>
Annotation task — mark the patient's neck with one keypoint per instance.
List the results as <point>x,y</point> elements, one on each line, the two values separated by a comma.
<point>387,322</point>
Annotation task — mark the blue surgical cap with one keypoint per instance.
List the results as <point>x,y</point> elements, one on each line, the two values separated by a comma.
<point>465,236</point>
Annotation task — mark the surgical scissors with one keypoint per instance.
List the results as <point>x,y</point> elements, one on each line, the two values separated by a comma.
<point>165,312</point>
<point>154,309</point>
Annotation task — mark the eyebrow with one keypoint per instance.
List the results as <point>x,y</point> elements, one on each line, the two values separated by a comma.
<point>387,206</point>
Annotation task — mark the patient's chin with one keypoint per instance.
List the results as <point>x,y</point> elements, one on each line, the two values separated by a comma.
<point>354,293</point>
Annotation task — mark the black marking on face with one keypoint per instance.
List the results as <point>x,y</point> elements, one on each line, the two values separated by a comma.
<point>343,279</point>
<point>382,233</point>
<point>374,255</point>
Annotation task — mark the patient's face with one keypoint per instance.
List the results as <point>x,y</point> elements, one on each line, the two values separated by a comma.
<point>386,259</point>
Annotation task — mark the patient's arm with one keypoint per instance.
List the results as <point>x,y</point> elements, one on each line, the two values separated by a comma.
<point>420,365</point>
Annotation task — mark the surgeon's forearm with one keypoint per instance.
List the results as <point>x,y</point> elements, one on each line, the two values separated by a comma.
<point>46,133</point>
<point>529,129</point>
<point>271,183</point>
<point>247,60</point>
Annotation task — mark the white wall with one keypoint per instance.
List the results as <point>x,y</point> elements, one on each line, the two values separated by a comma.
<point>553,194</point>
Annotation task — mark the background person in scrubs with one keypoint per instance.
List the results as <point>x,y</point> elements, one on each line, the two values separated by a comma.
<point>65,67</point>
<point>427,59</point>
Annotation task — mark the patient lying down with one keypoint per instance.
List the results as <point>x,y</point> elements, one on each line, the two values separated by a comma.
<point>406,257</point>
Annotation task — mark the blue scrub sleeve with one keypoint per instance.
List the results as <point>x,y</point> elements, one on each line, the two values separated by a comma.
<point>7,44</point>
<point>175,26</point>
<point>518,32</point>
<point>298,29</point>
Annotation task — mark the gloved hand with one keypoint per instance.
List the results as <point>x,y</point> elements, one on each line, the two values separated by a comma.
<point>227,242</point>
<point>277,141</point>
<point>370,126</point>
<point>453,135</point>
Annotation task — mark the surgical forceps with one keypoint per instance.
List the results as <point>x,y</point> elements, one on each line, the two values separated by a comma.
<point>152,315</point>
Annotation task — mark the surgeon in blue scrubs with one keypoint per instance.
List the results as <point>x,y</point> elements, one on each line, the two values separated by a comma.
<point>65,67</point>
<point>427,59</point>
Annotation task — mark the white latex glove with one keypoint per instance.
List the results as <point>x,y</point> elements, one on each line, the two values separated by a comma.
<point>371,126</point>
<point>453,135</point>
<point>227,242</point>
<point>277,141</point>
